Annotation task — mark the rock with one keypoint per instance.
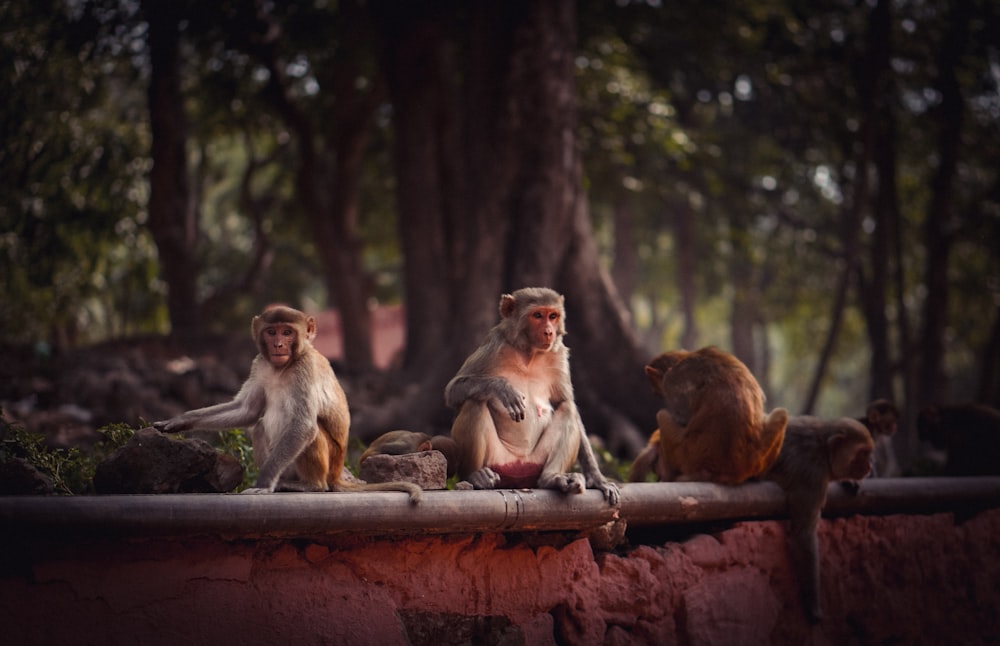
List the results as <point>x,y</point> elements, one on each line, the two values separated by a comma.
<point>19,477</point>
<point>608,536</point>
<point>428,469</point>
<point>152,462</point>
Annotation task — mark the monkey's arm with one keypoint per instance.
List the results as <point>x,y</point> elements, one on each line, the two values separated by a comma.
<point>804,507</point>
<point>592,473</point>
<point>244,410</point>
<point>485,388</point>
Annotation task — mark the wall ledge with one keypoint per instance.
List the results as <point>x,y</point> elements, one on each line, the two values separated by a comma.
<point>444,512</point>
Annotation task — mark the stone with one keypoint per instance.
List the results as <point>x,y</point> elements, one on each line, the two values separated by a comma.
<point>429,469</point>
<point>152,462</point>
<point>19,477</point>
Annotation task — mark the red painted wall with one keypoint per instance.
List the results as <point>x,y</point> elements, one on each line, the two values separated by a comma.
<point>893,579</point>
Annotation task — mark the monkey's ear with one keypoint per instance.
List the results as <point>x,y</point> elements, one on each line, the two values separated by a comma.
<point>310,328</point>
<point>655,378</point>
<point>835,441</point>
<point>255,326</point>
<point>507,305</point>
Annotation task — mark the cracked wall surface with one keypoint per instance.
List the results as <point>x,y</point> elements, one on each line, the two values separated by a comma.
<point>893,579</point>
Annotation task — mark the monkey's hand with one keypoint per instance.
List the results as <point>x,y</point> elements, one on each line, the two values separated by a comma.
<point>607,488</point>
<point>172,425</point>
<point>851,486</point>
<point>256,490</point>
<point>485,478</point>
<point>513,402</point>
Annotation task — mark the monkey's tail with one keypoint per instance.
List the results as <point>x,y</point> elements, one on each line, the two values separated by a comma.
<point>416,493</point>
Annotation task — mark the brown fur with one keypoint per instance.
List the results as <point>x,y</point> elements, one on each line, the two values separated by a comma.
<point>296,408</point>
<point>713,426</point>
<point>517,423</point>
<point>816,452</point>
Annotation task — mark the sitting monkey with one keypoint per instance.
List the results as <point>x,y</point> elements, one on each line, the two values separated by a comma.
<point>297,409</point>
<point>517,423</point>
<point>713,426</point>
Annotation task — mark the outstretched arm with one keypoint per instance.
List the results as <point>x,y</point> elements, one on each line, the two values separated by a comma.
<point>244,410</point>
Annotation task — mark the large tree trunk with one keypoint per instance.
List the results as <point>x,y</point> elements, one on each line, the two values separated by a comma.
<point>522,218</point>
<point>172,220</point>
<point>418,68</point>
<point>330,148</point>
<point>874,288</point>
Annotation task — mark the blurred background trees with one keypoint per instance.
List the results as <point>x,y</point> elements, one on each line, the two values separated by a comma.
<point>812,186</point>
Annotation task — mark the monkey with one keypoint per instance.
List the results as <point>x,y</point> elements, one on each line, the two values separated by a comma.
<point>297,408</point>
<point>713,426</point>
<point>881,419</point>
<point>403,442</point>
<point>516,422</point>
<point>970,433</point>
<point>814,453</point>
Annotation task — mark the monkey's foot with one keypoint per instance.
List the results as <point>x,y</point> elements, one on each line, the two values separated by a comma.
<point>564,482</point>
<point>255,490</point>
<point>609,490</point>
<point>485,478</point>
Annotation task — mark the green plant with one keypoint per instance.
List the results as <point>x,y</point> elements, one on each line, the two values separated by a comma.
<point>236,443</point>
<point>72,469</point>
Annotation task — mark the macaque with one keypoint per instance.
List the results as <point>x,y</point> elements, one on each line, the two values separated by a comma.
<point>881,419</point>
<point>970,433</point>
<point>404,442</point>
<point>713,426</point>
<point>297,408</point>
<point>816,452</point>
<point>517,424</point>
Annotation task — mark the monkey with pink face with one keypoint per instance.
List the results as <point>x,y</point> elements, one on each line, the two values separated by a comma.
<point>517,423</point>
<point>296,408</point>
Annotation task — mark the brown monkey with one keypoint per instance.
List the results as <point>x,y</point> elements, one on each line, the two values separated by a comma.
<point>404,442</point>
<point>881,419</point>
<point>970,433</point>
<point>517,423</point>
<point>713,425</point>
<point>814,453</point>
<point>297,407</point>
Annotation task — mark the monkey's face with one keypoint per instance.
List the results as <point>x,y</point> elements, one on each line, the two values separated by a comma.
<point>851,458</point>
<point>543,327</point>
<point>280,341</point>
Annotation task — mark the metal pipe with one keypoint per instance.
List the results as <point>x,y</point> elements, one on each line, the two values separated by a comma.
<point>443,512</point>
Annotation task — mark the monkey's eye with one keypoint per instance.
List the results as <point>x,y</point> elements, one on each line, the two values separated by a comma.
<point>554,316</point>
<point>536,315</point>
<point>287,331</point>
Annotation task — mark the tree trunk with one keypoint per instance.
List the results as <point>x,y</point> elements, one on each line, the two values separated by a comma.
<point>330,148</point>
<point>625,270</point>
<point>523,221</point>
<point>937,230</point>
<point>172,217</point>
<point>418,67</point>
<point>875,94</point>
<point>686,247</point>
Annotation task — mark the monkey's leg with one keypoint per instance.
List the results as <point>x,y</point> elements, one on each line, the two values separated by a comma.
<point>286,446</point>
<point>647,460</point>
<point>668,466</point>
<point>311,467</point>
<point>772,436</point>
<point>558,448</point>
<point>472,432</point>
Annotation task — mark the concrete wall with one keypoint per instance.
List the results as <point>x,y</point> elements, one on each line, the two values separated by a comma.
<point>903,579</point>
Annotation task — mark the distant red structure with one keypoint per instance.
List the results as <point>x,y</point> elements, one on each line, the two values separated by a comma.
<point>388,334</point>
